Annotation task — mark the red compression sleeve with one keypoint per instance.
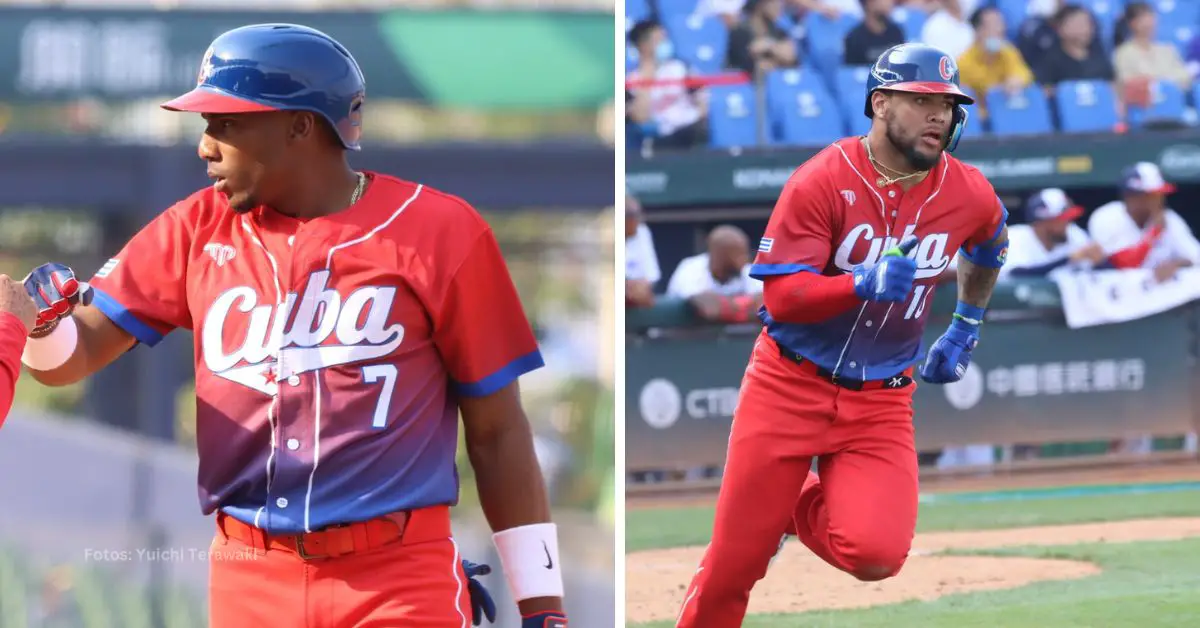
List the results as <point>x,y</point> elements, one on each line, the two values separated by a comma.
<point>12,344</point>
<point>808,297</point>
<point>1134,256</point>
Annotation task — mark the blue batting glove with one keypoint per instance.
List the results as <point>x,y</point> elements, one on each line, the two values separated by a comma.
<point>56,291</point>
<point>545,619</point>
<point>891,278</point>
<point>482,604</point>
<point>951,353</point>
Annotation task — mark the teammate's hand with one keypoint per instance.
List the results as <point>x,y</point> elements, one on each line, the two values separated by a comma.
<point>482,604</point>
<point>16,301</point>
<point>891,279</point>
<point>56,292</point>
<point>951,354</point>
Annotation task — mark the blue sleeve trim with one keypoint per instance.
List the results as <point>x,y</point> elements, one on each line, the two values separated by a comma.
<point>125,319</point>
<point>760,271</point>
<point>1003,222</point>
<point>503,376</point>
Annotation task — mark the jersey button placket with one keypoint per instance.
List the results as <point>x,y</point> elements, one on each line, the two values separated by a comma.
<point>284,375</point>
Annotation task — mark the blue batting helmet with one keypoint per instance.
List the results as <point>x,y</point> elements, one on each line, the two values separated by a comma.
<point>280,67</point>
<point>922,69</point>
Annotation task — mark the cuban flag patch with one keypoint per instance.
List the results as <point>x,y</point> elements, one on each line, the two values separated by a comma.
<point>765,244</point>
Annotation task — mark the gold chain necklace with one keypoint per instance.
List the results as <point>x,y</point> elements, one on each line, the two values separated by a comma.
<point>358,190</point>
<point>884,180</point>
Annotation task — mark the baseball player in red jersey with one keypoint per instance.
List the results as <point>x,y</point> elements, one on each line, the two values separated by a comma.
<point>18,316</point>
<point>342,321</point>
<point>850,260</point>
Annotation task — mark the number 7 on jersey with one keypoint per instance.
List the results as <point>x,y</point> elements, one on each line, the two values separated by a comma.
<point>387,373</point>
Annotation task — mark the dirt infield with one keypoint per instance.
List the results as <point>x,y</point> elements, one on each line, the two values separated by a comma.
<point>656,579</point>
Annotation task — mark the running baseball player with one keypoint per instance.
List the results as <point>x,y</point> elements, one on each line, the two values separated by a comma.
<point>850,260</point>
<point>342,321</point>
<point>18,316</point>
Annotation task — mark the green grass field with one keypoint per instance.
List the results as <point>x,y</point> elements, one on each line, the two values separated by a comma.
<point>1143,585</point>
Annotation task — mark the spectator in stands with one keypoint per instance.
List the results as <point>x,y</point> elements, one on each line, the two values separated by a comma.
<point>875,34</point>
<point>1140,231</point>
<point>947,26</point>
<point>1077,54</point>
<point>991,61</point>
<point>1035,34</point>
<point>718,282</point>
<point>641,260</point>
<point>758,45</point>
<point>668,110</point>
<point>1051,242</point>
<point>1142,60</point>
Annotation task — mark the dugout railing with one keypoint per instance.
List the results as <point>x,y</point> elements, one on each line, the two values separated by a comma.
<point>1034,384</point>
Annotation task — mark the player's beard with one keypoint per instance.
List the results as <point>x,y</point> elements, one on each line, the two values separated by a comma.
<point>908,148</point>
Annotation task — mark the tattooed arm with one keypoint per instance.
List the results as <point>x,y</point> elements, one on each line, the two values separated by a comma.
<point>975,282</point>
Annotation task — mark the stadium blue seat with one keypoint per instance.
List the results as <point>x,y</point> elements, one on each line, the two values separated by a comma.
<point>700,42</point>
<point>1177,22</point>
<point>827,43</point>
<point>780,83</point>
<point>851,85</point>
<point>635,11</point>
<point>1166,103</point>
<point>1086,106</point>
<point>911,21</point>
<point>851,93</point>
<point>1025,113</point>
<point>631,58</point>
<point>732,120</point>
<point>801,109</point>
<point>676,8</point>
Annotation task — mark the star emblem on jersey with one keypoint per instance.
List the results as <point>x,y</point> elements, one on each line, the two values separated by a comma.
<point>272,342</point>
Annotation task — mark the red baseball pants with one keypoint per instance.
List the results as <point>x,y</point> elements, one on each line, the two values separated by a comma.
<point>859,516</point>
<point>416,582</point>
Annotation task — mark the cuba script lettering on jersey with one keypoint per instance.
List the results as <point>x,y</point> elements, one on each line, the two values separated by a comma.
<point>930,253</point>
<point>320,313</point>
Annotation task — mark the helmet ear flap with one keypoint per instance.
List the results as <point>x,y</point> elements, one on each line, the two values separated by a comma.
<point>958,124</point>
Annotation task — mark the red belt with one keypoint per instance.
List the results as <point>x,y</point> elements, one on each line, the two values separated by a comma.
<point>405,527</point>
<point>809,367</point>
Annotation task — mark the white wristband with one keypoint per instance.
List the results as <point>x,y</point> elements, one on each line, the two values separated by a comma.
<point>53,350</point>
<point>529,558</point>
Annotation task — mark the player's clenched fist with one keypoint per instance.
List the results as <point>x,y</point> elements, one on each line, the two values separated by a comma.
<point>889,279</point>
<point>16,301</point>
<point>56,292</point>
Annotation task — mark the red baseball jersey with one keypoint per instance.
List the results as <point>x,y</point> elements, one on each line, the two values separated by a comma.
<point>12,343</point>
<point>329,352</point>
<point>832,216</point>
